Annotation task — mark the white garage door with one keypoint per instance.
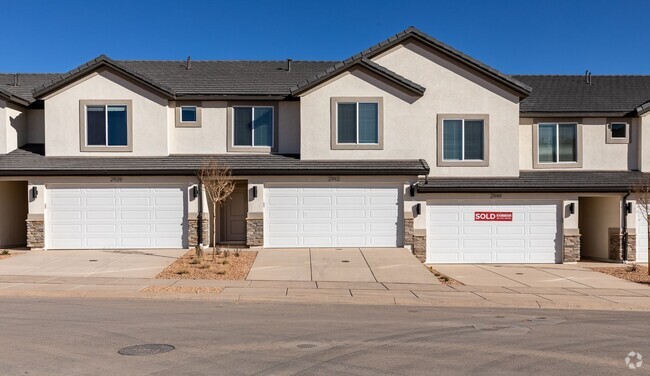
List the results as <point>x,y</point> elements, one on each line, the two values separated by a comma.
<point>485,233</point>
<point>641,237</point>
<point>104,218</point>
<point>331,217</point>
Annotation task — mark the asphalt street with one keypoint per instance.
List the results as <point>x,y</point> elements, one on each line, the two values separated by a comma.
<point>82,337</point>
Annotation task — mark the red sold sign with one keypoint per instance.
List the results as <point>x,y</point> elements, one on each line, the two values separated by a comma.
<point>493,216</point>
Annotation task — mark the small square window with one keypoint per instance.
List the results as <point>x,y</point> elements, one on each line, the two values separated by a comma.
<point>618,132</point>
<point>188,114</point>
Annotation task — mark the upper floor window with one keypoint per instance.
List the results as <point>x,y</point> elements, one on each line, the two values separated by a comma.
<point>558,143</point>
<point>618,132</point>
<point>105,125</point>
<point>253,126</point>
<point>357,123</point>
<point>188,114</point>
<point>463,140</point>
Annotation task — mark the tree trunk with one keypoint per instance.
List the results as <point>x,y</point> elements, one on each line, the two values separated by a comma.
<point>214,230</point>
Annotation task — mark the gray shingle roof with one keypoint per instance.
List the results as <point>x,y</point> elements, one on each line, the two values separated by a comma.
<point>622,94</point>
<point>26,83</point>
<point>29,161</point>
<point>205,78</point>
<point>540,181</point>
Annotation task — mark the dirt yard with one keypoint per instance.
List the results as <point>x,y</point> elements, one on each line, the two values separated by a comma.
<point>230,265</point>
<point>640,275</point>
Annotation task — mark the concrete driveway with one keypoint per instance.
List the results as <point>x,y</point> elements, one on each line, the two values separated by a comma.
<point>91,263</point>
<point>391,265</point>
<point>534,276</point>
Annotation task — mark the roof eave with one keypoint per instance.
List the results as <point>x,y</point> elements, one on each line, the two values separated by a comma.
<point>102,61</point>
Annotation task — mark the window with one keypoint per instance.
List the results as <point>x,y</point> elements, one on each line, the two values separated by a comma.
<point>357,123</point>
<point>253,126</point>
<point>557,143</point>
<point>463,140</point>
<point>105,125</point>
<point>618,132</point>
<point>188,114</point>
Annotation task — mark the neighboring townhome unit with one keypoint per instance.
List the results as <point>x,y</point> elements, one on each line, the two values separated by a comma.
<point>409,143</point>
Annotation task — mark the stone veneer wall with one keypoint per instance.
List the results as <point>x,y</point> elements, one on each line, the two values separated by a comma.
<point>616,245</point>
<point>193,230</point>
<point>420,244</point>
<point>35,232</point>
<point>571,247</point>
<point>255,230</point>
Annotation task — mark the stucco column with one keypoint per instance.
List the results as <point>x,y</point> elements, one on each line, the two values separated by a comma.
<point>571,239</point>
<point>36,216</point>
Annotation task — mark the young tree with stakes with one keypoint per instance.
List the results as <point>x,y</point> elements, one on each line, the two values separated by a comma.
<point>217,182</point>
<point>641,193</point>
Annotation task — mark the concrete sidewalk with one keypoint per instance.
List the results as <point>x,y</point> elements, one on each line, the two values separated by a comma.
<point>310,292</point>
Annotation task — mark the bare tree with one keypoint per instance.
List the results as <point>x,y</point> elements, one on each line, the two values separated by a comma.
<point>216,179</point>
<point>641,193</point>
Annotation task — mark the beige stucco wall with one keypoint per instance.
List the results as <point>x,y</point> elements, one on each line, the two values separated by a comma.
<point>13,127</point>
<point>13,202</point>
<point>289,127</point>
<point>644,141</point>
<point>209,138</point>
<point>149,111</point>
<point>596,153</point>
<point>599,214</point>
<point>36,126</point>
<point>410,122</point>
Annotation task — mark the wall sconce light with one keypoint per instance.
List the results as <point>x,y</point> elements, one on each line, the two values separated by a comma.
<point>414,189</point>
<point>254,191</point>
<point>195,192</point>
<point>628,208</point>
<point>33,193</point>
<point>572,208</point>
<point>418,209</point>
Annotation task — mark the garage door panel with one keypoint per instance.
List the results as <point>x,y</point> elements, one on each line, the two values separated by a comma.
<point>477,230</point>
<point>130,217</point>
<point>529,237</point>
<point>331,217</point>
<point>510,257</point>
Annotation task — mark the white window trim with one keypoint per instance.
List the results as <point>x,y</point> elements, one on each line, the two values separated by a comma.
<point>106,106</point>
<point>356,125</point>
<point>195,115</point>
<point>557,144</point>
<point>462,140</point>
<point>232,141</point>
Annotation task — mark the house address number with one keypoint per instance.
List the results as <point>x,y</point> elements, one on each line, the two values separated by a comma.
<point>496,195</point>
<point>334,178</point>
<point>116,179</point>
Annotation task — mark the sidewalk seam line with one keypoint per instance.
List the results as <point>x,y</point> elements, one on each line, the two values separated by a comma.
<point>502,276</point>
<point>555,275</point>
<point>367,264</point>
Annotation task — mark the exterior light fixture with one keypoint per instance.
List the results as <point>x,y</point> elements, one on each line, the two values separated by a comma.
<point>572,208</point>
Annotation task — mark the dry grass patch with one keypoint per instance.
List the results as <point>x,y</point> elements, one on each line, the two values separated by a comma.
<point>445,280</point>
<point>634,273</point>
<point>5,254</point>
<point>229,265</point>
<point>182,289</point>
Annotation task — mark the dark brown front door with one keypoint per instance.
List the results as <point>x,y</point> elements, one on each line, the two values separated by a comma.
<point>233,215</point>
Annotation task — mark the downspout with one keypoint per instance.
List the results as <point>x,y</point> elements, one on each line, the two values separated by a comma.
<point>199,217</point>
<point>625,227</point>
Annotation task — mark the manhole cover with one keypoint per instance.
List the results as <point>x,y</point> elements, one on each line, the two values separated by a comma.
<point>345,261</point>
<point>306,345</point>
<point>92,260</point>
<point>519,273</point>
<point>144,350</point>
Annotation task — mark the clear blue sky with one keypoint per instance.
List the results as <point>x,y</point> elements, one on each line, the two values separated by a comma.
<point>514,36</point>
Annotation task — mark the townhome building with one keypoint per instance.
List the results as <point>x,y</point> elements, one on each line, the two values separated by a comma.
<point>410,143</point>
